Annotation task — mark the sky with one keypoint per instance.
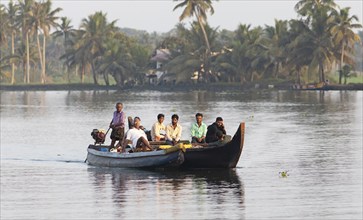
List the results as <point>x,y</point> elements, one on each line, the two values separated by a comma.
<point>158,15</point>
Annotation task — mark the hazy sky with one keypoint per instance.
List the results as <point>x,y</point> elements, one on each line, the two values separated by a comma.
<point>158,15</point>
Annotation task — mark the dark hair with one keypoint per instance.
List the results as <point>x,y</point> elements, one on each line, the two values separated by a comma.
<point>119,103</point>
<point>219,134</point>
<point>161,116</point>
<point>175,116</point>
<point>219,119</point>
<point>137,118</point>
<point>199,114</point>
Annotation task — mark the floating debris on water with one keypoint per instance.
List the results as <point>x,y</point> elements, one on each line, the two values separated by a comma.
<point>250,118</point>
<point>284,173</point>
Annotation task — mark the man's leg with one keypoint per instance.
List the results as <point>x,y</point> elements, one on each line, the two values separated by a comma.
<point>142,142</point>
<point>113,143</point>
<point>194,140</point>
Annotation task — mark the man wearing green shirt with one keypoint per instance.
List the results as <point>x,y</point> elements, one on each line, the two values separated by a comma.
<point>198,130</point>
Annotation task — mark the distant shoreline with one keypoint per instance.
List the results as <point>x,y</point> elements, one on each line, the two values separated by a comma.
<point>170,88</point>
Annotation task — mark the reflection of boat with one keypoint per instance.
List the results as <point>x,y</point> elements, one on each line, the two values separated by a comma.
<point>218,186</point>
<point>216,156</point>
<point>99,155</point>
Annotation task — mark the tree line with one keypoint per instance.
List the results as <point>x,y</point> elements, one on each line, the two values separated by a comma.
<point>37,46</point>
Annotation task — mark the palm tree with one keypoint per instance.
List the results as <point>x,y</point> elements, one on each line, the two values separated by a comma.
<point>316,34</point>
<point>199,8</point>
<point>77,56</point>
<point>65,30</point>
<point>25,7</point>
<point>193,57</point>
<point>96,31</point>
<point>12,11</point>
<point>298,55</point>
<point>4,29</point>
<point>277,37</point>
<point>308,8</point>
<point>343,34</point>
<point>49,21</point>
<point>346,72</point>
<point>43,18</point>
<point>116,61</point>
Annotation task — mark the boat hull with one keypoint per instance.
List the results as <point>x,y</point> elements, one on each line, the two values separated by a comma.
<point>135,160</point>
<point>225,156</point>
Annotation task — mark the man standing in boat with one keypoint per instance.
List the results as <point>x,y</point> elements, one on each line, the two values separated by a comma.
<point>173,131</point>
<point>198,130</point>
<point>213,129</point>
<point>118,125</point>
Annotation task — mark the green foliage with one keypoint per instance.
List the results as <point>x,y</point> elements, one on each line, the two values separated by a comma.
<point>299,51</point>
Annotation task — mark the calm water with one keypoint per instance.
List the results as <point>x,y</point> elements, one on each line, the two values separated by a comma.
<point>315,136</point>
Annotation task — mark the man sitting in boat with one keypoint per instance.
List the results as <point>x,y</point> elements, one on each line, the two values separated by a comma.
<point>213,129</point>
<point>158,130</point>
<point>221,139</point>
<point>199,129</point>
<point>173,131</point>
<point>137,137</point>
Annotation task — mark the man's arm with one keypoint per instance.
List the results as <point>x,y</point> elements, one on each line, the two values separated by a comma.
<point>168,135</point>
<point>178,136</point>
<point>192,131</point>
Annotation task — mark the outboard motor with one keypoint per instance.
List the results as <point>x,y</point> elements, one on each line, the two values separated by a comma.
<point>99,136</point>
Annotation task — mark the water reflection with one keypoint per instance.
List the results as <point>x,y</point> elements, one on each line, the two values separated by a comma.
<point>156,192</point>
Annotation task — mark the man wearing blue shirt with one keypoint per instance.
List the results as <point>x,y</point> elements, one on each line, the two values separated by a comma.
<point>198,130</point>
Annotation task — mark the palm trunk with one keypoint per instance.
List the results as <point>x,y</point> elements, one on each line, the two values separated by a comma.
<point>277,70</point>
<point>12,53</point>
<point>68,74</point>
<point>94,73</point>
<point>321,72</point>
<point>23,42</point>
<point>43,68</point>
<point>341,64</point>
<point>82,73</point>
<point>204,33</point>
<point>40,58</point>
<point>298,79</point>
<point>105,76</point>
<point>27,59</point>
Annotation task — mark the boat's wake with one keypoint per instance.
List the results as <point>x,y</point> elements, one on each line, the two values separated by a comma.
<point>43,160</point>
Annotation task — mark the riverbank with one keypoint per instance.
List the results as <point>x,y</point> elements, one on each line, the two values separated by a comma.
<point>217,87</point>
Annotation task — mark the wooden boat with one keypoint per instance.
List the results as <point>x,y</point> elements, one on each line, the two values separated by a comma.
<point>99,155</point>
<point>209,156</point>
<point>214,156</point>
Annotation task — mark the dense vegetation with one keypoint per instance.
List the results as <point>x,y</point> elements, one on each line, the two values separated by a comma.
<point>318,45</point>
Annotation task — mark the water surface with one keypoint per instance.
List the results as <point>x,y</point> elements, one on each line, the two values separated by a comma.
<point>315,136</point>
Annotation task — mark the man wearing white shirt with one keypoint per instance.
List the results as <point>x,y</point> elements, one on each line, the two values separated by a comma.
<point>137,136</point>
